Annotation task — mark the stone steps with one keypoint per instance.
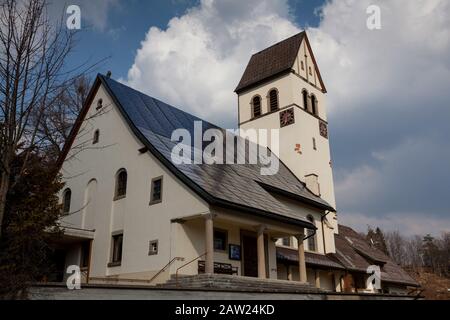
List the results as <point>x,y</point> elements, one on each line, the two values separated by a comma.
<point>237,283</point>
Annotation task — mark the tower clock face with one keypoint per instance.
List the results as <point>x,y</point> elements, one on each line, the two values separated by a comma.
<point>287,117</point>
<point>323,129</point>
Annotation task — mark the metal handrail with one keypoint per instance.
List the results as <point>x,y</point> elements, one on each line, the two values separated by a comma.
<point>165,267</point>
<point>184,265</point>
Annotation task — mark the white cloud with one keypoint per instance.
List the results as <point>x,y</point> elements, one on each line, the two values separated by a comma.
<point>394,79</point>
<point>410,52</point>
<point>387,95</point>
<point>196,63</point>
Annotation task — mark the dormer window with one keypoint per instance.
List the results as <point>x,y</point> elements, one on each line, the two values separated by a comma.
<point>256,106</point>
<point>273,100</point>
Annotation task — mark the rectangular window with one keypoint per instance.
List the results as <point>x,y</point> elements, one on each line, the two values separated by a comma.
<point>153,248</point>
<point>117,241</point>
<point>311,242</point>
<point>156,190</point>
<point>314,144</point>
<point>220,240</point>
<point>287,241</point>
<point>310,71</point>
<point>303,65</point>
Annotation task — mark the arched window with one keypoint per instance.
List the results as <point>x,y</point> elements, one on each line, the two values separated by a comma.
<point>305,99</point>
<point>96,138</point>
<point>121,184</point>
<point>256,105</point>
<point>273,100</point>
<point>67,198</point>
<point>312,239</point>
<point>313,105</point>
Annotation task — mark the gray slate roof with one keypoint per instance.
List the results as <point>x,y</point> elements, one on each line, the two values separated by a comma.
<point>236,186</point>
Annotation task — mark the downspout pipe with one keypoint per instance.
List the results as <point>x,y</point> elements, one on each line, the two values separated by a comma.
<point>311,235</point>
<point>323,231</point>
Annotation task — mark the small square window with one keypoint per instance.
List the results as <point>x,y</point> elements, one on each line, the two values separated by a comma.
<point>156,190</point>
<point>220,240</point>
<point>287,241</point>
<point>153,248</point>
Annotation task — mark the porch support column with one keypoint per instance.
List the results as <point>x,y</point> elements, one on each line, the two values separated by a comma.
<point>209,244</point>
<point>289,272</point>
<point>317,276</point>
<point>301,258</point>
<point>261,253</point>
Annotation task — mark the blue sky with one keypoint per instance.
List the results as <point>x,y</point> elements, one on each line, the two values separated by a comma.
<point>118,37</point>
<point>388,99</point>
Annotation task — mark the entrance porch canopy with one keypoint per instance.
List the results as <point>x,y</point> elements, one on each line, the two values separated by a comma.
<point>274,229</point>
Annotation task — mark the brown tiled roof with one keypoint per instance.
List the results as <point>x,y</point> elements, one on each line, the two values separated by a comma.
<point>353,253</point>
<point>272,61</point>
<point>362,246</point>
<point>356,253</point>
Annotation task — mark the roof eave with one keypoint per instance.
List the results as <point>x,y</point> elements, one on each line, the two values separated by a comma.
<point>264,214</point>
<point>242,88</point>
<point>78,122</point>
<point>305,200</point>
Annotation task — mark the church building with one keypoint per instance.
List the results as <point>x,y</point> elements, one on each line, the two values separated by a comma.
<point>136,216</point>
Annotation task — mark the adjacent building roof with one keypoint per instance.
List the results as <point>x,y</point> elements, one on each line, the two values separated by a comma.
<point>356,253</point>
<point>233,186</point>
<point>274,61</point>
<point>349,257</point>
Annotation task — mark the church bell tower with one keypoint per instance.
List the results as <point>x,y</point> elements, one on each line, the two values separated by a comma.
<point>282,88</point>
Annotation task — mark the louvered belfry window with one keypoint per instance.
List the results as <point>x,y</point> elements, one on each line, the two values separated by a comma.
<point>273,100</point>
<point>256,106</point>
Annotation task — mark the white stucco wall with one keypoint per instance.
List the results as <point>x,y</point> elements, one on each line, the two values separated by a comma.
<point>92,202</point>
<point>306,211</point>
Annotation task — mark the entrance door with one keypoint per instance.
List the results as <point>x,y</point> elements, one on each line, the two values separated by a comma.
<point>250,256</point>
